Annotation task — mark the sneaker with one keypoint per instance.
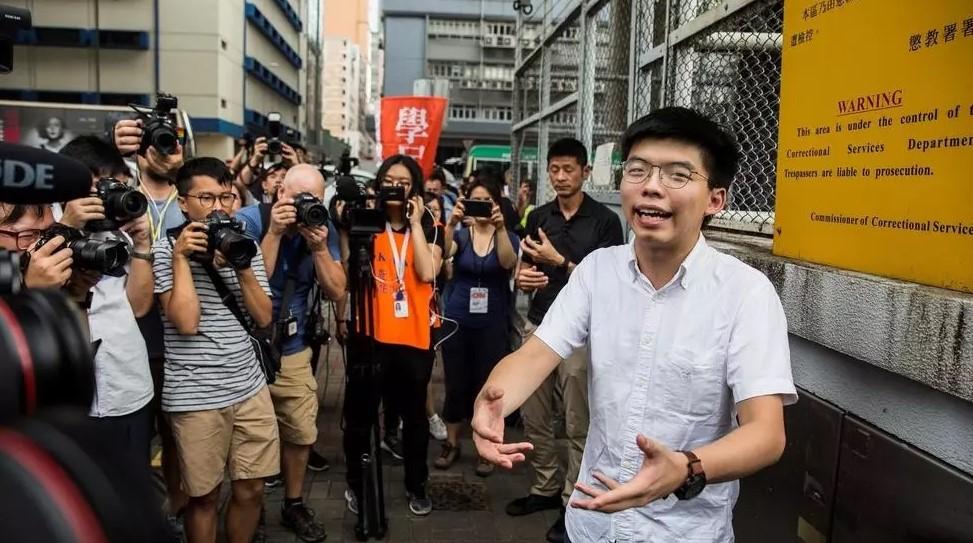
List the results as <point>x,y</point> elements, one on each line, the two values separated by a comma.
<point>483,468</point>
<point>419,503</point>
<point>448,455</point>
<point>393,446</point>
<point>318,463</point>
<point>556,533</point>
<point>273,481</point>
<point>533,503</point>
<point>351,502</point>
<point>300,520</point>
<point>437,428</point>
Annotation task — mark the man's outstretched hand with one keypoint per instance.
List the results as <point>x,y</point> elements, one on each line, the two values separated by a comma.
<point>488,431</point>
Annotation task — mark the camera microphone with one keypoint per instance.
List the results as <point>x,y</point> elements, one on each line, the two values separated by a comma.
<point>36,176</point>
<point>348,190</point>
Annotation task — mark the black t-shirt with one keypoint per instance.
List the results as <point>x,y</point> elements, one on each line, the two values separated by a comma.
<point>592,227</point>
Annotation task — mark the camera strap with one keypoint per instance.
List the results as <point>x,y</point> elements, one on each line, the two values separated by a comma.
<point>227,297</point>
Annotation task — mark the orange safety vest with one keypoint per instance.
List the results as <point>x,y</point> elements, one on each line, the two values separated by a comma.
<point>413,331</point>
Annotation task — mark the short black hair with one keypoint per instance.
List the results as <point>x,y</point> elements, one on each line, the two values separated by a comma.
<point>437,175</point>
<point>531,185</point>
<point>487,176</point>
<point>417,186</point>
<point>208,166</point>
<point>721,155</point>
<point>569,148</point>
<point>16,211</point>
<point>101,157</point>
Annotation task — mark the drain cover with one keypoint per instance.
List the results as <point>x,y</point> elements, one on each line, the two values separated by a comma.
<point>458,495</point>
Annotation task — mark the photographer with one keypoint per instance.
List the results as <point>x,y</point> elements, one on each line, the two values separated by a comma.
<point>406,259</point>
<point>156,178</point>
<point>298,255</point>
<point>21,226</point>
<point>123,382</point>
<point>214,389</point>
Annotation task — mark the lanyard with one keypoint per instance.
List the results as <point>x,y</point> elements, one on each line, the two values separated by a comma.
<point>480,260</point>
<point>156,228</point>
<point>398,259</point>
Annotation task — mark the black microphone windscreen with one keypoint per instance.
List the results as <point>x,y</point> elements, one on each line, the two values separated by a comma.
<point>34,176</point>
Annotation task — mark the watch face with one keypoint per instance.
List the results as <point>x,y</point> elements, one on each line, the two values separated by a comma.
<point>692,487</point>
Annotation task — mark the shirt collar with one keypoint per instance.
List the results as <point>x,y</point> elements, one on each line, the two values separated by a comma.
<point>584,209</point>
<point>690,268</point>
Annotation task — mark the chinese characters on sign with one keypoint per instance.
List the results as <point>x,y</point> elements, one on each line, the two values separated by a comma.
<point>933,37</point>
<point>410,125</point>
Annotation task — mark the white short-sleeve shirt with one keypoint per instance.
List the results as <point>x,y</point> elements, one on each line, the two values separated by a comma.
<point>670,364</point>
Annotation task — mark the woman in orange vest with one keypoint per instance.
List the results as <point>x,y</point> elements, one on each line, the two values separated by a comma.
<point>406,259</point>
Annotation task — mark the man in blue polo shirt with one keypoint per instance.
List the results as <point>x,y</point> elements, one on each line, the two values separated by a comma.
<point>298,256</point>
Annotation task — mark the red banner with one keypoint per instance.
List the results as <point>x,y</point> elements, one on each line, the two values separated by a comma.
<point>410,125</point>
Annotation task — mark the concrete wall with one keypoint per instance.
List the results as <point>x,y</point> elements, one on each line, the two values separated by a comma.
<point>405,55</point>
<point>497,9</point>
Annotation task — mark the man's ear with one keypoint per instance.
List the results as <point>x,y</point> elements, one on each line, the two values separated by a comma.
<point>717,201</point>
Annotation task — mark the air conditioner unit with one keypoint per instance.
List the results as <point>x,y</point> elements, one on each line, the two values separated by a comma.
<point>489,40</point>
<point>506,41</point>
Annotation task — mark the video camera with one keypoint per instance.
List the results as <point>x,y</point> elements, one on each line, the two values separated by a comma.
<point>105,257</point>
<point>160,129</point>
<point>357,217</point>
<point>122,204</point>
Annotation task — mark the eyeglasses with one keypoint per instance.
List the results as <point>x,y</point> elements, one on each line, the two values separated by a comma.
<point>25,238</point>
<point>673,176</point>
<point>208,200</point>
<point>397,181</point>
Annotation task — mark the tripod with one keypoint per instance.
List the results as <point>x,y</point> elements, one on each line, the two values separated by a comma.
<point>363,394</point>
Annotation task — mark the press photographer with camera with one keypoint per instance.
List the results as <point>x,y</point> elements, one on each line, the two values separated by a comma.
<point>406,259</point>
<point>215,389</point>
<point>293,234</point>
<point>21,226</point>
<point>116,213</point>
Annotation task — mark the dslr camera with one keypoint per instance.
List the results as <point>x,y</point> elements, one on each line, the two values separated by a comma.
<point>310,210</point>
<point>159,128</point>
<point>274,144</point>
<point>122,204</point>
<point>107,257</point>
<point>227,236</point>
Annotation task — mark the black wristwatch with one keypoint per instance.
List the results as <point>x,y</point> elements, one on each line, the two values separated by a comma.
<point>695,480</point>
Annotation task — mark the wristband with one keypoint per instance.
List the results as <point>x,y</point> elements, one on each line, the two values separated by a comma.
<point>148,257</point>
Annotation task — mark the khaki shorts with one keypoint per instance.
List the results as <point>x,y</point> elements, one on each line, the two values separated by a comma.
<point>296,400</point>
<point>241,438</point>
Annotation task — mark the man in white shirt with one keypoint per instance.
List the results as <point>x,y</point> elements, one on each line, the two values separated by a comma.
<point>690,367</point>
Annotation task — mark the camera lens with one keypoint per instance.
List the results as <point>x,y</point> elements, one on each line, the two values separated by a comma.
<point>131,204</point>
<point>164,140</point>
<point>236,247</point>
<point>107,257</point>
<point>9,273</point>
<point>310,210</point>
<point>45,357</point>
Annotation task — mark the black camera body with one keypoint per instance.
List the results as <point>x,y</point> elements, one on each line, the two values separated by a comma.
<point>11,20</point>
<point>391,194</point>
<point>122,204</point>
<point>226,235</point>
<point>310,210</point>
<point>274,143</point>
<point>105,257</point>
<point>159,130</point>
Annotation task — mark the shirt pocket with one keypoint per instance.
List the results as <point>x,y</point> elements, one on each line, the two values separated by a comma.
<point>692,382</point>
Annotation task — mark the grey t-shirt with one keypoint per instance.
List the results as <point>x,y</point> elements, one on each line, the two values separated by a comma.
<point>216,367</point>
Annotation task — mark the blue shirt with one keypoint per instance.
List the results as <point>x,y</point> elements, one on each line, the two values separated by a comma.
<point>293,257</point>
<point>472,270</point>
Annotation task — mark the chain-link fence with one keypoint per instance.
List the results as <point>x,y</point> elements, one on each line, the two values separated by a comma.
<point>628,57</point>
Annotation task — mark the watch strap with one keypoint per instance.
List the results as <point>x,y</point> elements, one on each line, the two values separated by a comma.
<point>148,257</point>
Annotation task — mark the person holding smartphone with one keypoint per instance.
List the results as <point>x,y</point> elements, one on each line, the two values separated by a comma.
<point>406,258</point>
<point>483,256</point>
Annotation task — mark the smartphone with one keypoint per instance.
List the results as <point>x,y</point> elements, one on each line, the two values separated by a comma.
<point>477,208</point>
<point>391,194</point>
<point>273,133</point>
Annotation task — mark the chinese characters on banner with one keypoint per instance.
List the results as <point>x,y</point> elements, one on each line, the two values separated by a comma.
<point>410,125</point>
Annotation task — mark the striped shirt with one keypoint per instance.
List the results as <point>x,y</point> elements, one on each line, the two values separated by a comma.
<point>217,367</point>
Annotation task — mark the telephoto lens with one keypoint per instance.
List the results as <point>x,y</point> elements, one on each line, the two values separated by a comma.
<point>122,204</point>
<point>310,210</point>
<point>227,236</point>
<point>11,279</point>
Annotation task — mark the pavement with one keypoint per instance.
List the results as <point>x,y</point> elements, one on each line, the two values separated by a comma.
<point>324,492</point>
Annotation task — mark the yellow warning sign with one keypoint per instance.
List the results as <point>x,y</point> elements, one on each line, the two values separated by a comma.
<point>875,156</point>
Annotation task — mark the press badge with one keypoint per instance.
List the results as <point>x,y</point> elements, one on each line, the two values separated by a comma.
<point>401,305</point>
<point>290,325</point>
<point>479,300</point>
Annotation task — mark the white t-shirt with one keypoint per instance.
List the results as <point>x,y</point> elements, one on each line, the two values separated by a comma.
<point>670,364</point>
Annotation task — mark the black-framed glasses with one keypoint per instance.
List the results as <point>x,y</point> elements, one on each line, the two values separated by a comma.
<point>673,176</point>
<point>25,238</point>
<point>397,181</point>
<point>206,199</point>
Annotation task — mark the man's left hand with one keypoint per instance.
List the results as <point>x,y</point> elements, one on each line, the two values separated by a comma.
<point>80,283</point>
<point>662,472</point>
<point>316,237</point>
<point>138,228</point>
<point>542,252</point>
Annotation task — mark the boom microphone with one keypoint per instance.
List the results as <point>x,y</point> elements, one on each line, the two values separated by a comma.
<point>36,176</point>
